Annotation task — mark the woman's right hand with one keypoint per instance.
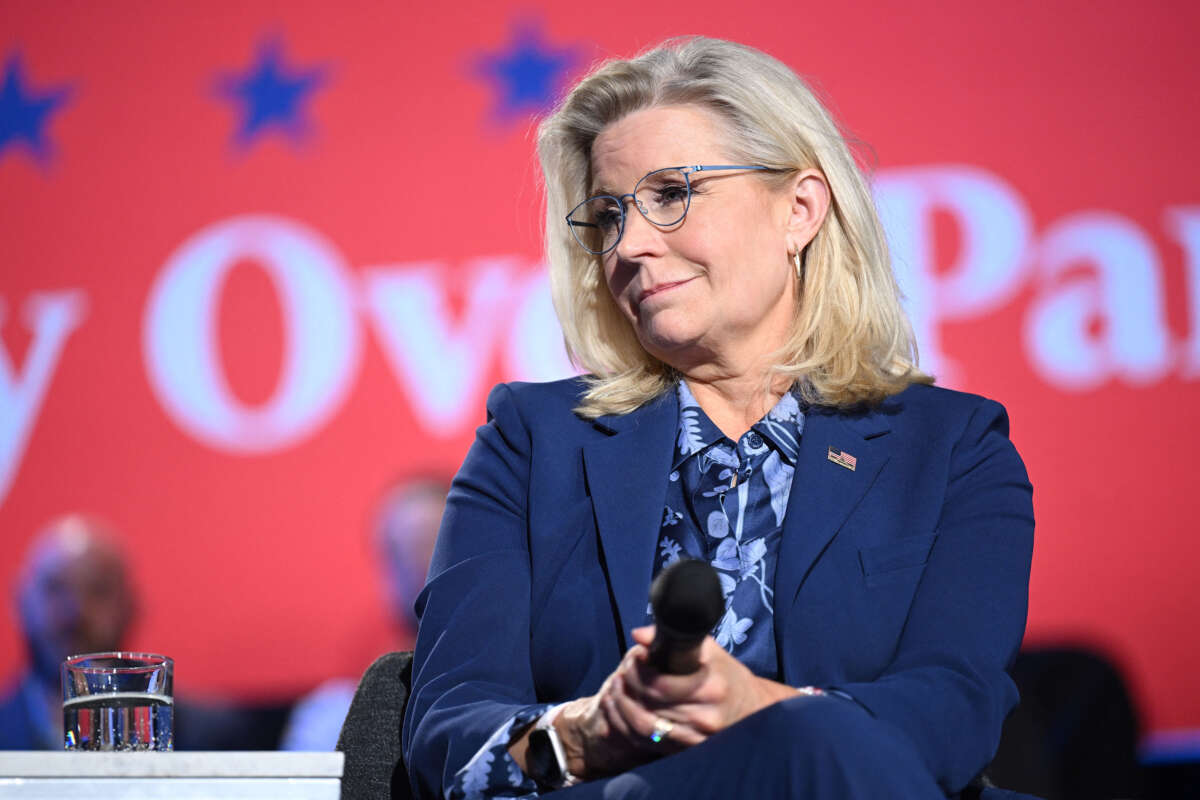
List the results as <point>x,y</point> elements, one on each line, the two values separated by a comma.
<point>598,739</point>
<point>598,736</point>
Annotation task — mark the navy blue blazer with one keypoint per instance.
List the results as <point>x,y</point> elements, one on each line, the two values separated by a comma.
<point>903,582</point>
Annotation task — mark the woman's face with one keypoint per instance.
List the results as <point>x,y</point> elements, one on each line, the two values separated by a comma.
<point>718,287</point>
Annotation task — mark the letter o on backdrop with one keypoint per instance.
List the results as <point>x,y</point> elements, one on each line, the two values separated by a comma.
<point>321,341</point>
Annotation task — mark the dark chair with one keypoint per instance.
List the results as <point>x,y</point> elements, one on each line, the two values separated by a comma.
<point>370,735</point>
<point>370,738</point>
<point>1075,734</point>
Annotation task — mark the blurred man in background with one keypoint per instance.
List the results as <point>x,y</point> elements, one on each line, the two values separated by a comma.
<point>403,533</point>
<point>73,596</point>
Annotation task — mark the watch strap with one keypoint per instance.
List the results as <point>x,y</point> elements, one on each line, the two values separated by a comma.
<point>546,723</point>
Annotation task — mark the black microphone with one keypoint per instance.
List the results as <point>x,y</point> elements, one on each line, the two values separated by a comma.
<point>687,602</point>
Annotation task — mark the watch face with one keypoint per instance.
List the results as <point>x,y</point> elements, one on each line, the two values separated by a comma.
<point>541,761</point>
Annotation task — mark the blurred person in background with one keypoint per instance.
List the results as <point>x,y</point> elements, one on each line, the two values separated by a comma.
<point>403,532</point>
<point>73,596</point>
<point>76,594</point>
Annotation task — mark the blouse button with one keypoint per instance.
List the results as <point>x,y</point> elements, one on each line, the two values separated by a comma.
<point>754,440</point>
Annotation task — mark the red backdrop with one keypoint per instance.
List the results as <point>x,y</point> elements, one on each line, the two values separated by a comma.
<point>258,259</point>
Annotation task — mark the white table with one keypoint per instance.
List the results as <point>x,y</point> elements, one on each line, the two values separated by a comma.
<point>170,776</point>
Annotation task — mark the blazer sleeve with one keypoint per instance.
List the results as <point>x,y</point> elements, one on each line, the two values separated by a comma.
<point>471,667</point>
<point>947,688</point>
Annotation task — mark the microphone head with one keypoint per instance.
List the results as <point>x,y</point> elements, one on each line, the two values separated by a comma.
<point>686,598</point>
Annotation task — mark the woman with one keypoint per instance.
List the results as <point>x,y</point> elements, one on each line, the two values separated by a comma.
<point>753,401</point>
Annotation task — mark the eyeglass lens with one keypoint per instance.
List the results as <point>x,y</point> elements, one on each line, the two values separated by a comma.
<point>662,198</point>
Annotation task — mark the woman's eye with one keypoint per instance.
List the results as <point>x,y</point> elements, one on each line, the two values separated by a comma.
<point>672,195</point>
<point>608,219</point>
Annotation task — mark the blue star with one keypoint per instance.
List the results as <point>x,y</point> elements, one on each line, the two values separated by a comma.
<point>529,74</point>
<point>24,114</point>
<point>271,96</point>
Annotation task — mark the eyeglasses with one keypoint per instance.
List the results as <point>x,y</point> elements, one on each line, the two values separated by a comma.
<point>663,197</point>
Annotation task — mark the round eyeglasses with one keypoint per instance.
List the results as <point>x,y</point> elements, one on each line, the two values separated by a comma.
<point>663,197</point>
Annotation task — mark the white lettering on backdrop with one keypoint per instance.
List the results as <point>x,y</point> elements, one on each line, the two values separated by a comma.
<point>321,345</point>
<point>51,317</point>
<point>1123,297</point>
<point>1082,329</point>
<point>441,365</point>
<point>535,345</point>
<point>994,232</point>
<point>1184,222</point>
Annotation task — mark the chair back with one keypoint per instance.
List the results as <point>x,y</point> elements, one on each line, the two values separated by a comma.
<point>370,735</point>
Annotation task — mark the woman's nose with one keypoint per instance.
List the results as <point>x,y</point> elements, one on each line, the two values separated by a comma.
<point>640,237</point>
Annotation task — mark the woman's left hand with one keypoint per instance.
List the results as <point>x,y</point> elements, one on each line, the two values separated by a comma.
<point>720,693</point>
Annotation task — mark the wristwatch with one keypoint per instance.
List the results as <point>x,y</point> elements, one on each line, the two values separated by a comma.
<point>545,759</point>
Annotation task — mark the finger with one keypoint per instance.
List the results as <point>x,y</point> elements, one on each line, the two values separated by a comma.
<point>653,689</point>
<point>633,676</point>
<point>612,715</point>
<point>634,655</point>
<point>703,718</point>
<point>710,651</point>
<point>637,725</point>
<point>644,725</point>
<point>635,670</point>
<point>684,735</point>
<point>658,688</point>
<point>644,635</point>
<point>640,724</point>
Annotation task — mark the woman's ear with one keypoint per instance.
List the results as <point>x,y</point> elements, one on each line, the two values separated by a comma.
<point>808,195</point>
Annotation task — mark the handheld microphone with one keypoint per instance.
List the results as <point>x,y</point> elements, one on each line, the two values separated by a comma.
<point>687,602</point>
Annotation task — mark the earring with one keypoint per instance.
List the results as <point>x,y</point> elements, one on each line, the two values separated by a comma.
<point>798,263</point>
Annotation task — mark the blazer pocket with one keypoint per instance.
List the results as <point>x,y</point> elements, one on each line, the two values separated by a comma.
<point>891,557</point>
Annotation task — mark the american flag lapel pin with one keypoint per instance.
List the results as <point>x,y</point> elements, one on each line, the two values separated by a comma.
<point>842,458</point>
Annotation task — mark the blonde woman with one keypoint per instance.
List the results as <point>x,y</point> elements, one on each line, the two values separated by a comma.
<point>753,401</point>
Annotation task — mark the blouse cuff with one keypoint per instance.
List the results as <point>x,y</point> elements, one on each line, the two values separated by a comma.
<point>492,772</point>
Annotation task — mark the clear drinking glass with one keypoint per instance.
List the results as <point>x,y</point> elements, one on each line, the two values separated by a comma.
<point>118,701</point>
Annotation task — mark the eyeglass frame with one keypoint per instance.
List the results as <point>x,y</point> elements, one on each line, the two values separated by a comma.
<point>620,200</point>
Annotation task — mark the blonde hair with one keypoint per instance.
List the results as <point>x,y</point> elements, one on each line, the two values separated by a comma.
<point>851,343</point>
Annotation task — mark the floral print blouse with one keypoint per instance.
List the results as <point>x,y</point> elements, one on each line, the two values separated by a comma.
<point>725,506</point>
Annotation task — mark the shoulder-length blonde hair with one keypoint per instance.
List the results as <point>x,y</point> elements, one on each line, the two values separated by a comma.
<point>851,343</point>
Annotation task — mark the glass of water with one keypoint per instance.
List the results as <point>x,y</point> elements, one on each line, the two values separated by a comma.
<point>118,701</point>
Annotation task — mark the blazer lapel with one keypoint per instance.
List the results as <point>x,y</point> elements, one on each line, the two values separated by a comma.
<point>627,478</point>
<point>823,494</point>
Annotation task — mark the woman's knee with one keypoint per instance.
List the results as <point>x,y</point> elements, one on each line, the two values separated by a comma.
<point>832,743</point>
<point>807,723</point>
<point>807,747</point>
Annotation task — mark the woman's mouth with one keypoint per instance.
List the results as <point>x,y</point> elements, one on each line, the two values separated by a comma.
<point>659,288</point>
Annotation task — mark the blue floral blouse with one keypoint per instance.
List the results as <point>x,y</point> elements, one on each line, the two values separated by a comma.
<point>725,505</point>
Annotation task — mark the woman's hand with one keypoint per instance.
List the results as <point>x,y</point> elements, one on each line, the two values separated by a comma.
<point>611,731</point>
<point>597,735</point>
<point>722,692</point>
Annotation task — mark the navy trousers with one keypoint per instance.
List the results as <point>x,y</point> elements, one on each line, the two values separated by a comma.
<point>807,748</point>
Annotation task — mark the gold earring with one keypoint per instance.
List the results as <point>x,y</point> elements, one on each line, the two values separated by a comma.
<point>798,263</point>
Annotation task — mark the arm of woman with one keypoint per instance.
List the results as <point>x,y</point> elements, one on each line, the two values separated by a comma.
<point>947,687</point>
<point>473,697</point>
<point>471,666</point>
